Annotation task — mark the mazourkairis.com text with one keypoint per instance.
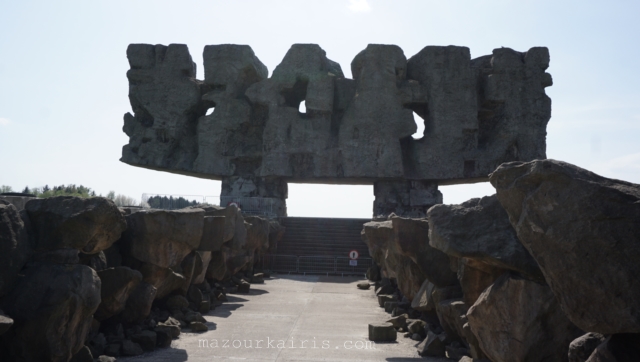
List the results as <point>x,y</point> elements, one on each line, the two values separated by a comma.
<point>281,343</point>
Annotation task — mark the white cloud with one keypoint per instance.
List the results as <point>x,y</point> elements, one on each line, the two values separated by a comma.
<point>4,121</point>
<point>359,6</point>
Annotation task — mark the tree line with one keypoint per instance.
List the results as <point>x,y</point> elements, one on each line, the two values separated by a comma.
<point>72,190</point>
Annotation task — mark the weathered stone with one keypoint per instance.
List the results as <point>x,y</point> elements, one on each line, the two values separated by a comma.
<point>130,348</point>
<point>52,308</point>
<point>480,113</point>
<point>165,280</point>
<point>420,300</point>
<point>117,284</point>
<point>58,256</point>
<point>14,246</point>
<point>417,326</point>
<point>479,229</point>
<point>213,233</point>
<point>432,346</point>
<point>205,257</point>
<point>159,128</point>
<point>5,323</point>
<point>89,225</point>
<point>411,238</point>
<point>582,229</point>
<point>198,327</point>
<point>383,298</point>
<point>452,316</point>
<point>582,347</point>
<point>399,321</point>
<point>139,303</point>
<point>217,266</point>
<point>106,359</point>
<point>258,234</point>
<point>475,277</point>
<point>177,302</point>
<point>96,261</point>
<point>382,332</point>
<point>146,339</point>
<point>390,306</point>
<point>171,330</point>
<point>624,347</point>
<point>364,285</point>
<point>516,319</point>
<point>162,237</point>
<point>83,355</point>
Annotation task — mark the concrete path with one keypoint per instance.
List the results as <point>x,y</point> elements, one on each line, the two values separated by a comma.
<point>328,316</point>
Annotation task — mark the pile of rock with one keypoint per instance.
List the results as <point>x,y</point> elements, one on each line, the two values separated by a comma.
<point>545,270</point>
<point>81,278</point>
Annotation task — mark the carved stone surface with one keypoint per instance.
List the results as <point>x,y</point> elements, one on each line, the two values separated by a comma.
<point>478,113</point>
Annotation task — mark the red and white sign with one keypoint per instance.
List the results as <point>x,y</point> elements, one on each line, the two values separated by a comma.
<point>353,254</point>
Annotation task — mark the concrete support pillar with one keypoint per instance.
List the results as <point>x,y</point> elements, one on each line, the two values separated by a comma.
<point>260,195</point>
<point>404,198</point>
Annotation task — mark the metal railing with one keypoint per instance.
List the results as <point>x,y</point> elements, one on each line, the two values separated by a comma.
<point>316,264</point>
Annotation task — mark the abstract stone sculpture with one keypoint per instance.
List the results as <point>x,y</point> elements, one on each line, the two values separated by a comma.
<point>478,114</point>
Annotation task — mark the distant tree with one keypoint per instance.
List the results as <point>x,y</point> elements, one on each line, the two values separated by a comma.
<point>169,203</point>
<point>46,188</point>
<point>5,188</point>
<point>122,200</point>
<point>26,190</point>
<point>111,195</point>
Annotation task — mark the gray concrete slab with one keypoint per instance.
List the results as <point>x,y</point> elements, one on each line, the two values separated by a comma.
<point>292,318</point>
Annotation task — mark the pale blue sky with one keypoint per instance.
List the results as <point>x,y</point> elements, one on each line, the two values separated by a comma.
<point>63,89</point>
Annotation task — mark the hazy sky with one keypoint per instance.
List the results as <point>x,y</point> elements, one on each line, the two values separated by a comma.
<point>63,88</point>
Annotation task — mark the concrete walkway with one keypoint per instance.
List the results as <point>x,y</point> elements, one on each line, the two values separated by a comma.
<point>277,319</point>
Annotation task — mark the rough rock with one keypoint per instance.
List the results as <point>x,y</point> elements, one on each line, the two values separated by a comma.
<point>177,302</point>
<point>593,223</point>
<point>130,348</point>
<point>432,346</point>
<point>213,233</point>
<point>364,285</point>
<point>582,347</point>
<point>481,112</point>
<point>146,339</point>
<point>479,229</point>
<point>89,225</point>
<point>165,280</point>
<point>205,258</point>
<point>382,332</point>
<point>198,327</point>
<point>52,308</point>
<point>15,248</point>
<point>162,237</point>
<point>258,234</point>
<point>474,277</point>
<point>516,319</point>
<point>83,355</point>
<point>217,266</point>
<point>411,238</point>
<point>5,323</point>
<point>139,303</point>
<point>624,347</point>
<point>117,284</point>
<point>452,316</point>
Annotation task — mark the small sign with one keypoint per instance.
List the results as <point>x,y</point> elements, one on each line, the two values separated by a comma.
<point>353,262</point>
<point>353,254</point>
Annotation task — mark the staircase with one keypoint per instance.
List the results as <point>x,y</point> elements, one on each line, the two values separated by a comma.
<point>320,245</point>
<point>310,236</point>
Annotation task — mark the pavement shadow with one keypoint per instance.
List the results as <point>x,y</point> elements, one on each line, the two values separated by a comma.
<point>163,354</point>
<point>225,310</point>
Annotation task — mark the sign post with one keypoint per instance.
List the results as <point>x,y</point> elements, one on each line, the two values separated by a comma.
<point>353,255</point>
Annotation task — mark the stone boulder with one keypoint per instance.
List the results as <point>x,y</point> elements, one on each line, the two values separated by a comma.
<point>213,233</point>
<point>258,234</point>
<point>583,231</point>
<point>52,307</point>
<point>411,238</point>
<point>117,284</point>
<point>15,248</point>
<point>582,347</point>
<point>516,319</point>
<point>139,303</point>
<point>165,280</point>
<point>624,347</point>
<point>162,237</point>
<point>479,229</point>
<point>5,323</point>
<point>90,224</point>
